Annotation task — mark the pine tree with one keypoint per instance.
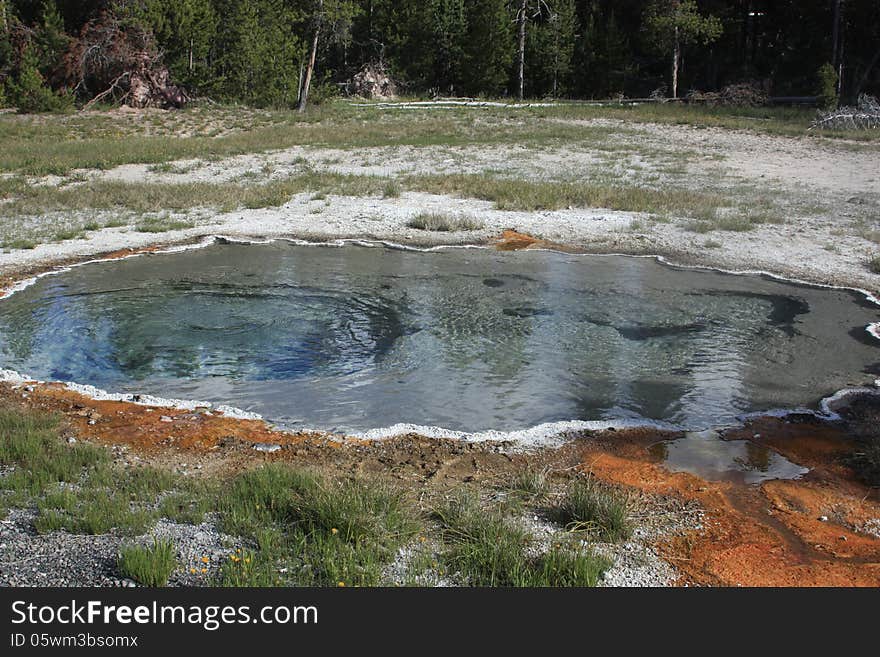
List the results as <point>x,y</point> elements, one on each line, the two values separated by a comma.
<point>672,24</point>
<point>185,30</point>
<point>550,47</point>
<point>28,91</point>
<point>486,50</point>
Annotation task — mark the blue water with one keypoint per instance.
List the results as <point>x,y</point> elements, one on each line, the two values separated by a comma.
<point>350,338</point>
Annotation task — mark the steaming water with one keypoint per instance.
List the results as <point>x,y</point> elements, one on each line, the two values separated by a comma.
<point>352,338</point>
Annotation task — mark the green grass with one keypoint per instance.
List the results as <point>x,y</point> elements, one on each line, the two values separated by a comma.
<point>782,121</point>
<point>591,506</point>
<point>108,499</point>
<point>325,532</point>
<point>24,244</point>
<point>157,225</point>
<point>41,459</point>
<point>298,527</point>
<point>488,549</point>
<point>531,483</point>
<point>44,147</point>
<point>513,194</point>
<point>391,189</point>
<point>40,146</point>
<point>76,488</point>
<point>151,565</point>
<point>437,222</point>
<point>187,506</point>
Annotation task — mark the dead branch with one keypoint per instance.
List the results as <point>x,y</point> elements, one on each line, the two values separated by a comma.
<point>119,60</point>
<point>864,116</point>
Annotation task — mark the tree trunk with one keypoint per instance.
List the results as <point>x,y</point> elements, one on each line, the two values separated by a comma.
<point>304,94</point>
<point>676,58</point>
<point>555,59</point>
<point>523,9</point>
<point>835,35</point>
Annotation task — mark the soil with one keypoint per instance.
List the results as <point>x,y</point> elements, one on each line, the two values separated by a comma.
<point>820,530</point>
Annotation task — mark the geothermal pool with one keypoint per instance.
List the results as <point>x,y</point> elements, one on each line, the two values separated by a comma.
<point>350,338</point>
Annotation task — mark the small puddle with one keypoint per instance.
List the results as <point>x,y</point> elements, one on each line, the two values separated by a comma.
<point>353,338</point>
<point>704,454</point>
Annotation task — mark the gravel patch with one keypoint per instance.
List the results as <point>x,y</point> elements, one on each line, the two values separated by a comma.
<point>60,559</point>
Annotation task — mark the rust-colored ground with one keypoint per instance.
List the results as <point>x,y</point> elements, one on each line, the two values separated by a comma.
<point>766,535</point>
<point>511,240</point>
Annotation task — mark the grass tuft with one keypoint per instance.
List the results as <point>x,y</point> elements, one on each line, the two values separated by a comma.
<point>323,531</point>
<point>151,565</point>
<point>391,189</point>
<point>487,549</point>
<point>589,505</point>
<point>530,482</point>
<point>162,225</point>
<point>443,223</point>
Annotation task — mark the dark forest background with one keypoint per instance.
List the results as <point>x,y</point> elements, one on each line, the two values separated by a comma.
<point>255,51</point>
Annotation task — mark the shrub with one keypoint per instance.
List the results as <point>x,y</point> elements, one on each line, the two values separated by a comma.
<point>827,89</point>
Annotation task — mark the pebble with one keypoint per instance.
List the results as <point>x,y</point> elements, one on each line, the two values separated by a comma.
<point>266,447</point>
<point>60,559</point>
<point>823,518</point>
<point>165,418</point>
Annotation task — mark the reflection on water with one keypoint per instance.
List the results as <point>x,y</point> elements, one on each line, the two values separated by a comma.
<point>352,338</point>
<point>704,454</point>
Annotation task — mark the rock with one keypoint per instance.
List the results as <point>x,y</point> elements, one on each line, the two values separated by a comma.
<point>266,447</point>
<point>823,518</point>
<point>166,418</point>
<point>71,440</point>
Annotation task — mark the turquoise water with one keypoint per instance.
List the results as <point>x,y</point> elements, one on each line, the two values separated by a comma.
<point>354,337</point>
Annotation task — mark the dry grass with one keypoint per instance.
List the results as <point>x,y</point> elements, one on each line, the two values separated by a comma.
<point>437,222</point>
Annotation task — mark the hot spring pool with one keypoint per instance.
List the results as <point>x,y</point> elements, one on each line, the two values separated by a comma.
<point>350,338</point>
